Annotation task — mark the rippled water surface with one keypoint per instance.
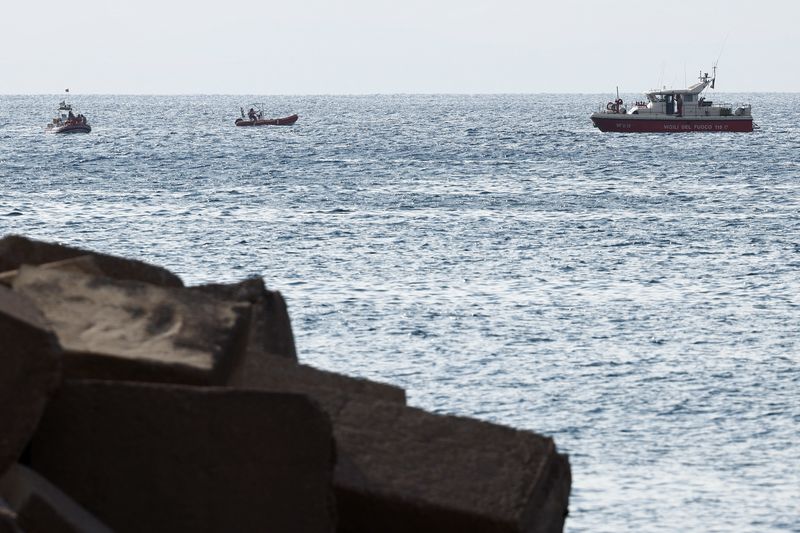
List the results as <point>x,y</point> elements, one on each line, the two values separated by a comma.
<point>636,297</point>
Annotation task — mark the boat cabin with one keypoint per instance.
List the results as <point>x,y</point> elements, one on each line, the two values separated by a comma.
<point>66,115</point>
<point>686,102</point>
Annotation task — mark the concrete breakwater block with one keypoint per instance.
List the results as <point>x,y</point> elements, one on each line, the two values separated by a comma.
<point>403,469</point>
<point>255,453</point>
<point>85,264</point>
<point>270,329</point>
<point>128,330</point>
<point>331,390</point>
<point>145,457</point>
<point>30,369</point>
<point>8,523</point>
<point>41,507</point>
<point>16,251</point>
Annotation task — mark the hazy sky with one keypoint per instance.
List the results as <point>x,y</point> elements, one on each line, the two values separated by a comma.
<point>409,46</point>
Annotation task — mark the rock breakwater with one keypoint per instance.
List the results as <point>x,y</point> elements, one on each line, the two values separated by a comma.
<point>133,403</point>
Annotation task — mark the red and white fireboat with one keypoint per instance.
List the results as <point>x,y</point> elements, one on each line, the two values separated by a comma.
<point>675,111</point>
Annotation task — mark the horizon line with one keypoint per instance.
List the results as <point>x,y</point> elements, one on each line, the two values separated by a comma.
<point>367,93</point>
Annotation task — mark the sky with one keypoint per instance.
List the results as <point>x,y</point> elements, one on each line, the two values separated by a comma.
<point>377,46</point>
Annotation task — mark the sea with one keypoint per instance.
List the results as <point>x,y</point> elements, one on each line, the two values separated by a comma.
<point>634,296</point>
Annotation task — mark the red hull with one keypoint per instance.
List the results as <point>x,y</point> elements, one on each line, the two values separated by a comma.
<point>285,121</point>
<point>71,128</point>
<point>624,124</point>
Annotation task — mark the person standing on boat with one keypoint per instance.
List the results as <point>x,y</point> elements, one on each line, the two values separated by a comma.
<point>252,114</point>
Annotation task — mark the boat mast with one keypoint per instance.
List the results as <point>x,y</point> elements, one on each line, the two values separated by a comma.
<point>714,69</point>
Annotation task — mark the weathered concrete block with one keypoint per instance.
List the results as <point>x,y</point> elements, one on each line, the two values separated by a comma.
<point>30,368</point>
<point>128,330</point>
<point>84,263</point>
<point>249,290</point>
<point>8,524</point>
<point>402,469</point>
<point>270,330</point>
<point>8,519</point>
<point>42,508</point>
<point>145,457</point>
<point>331,390</point>
<point>16,250</point>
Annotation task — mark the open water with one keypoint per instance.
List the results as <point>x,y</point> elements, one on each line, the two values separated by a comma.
<point>637,297</point>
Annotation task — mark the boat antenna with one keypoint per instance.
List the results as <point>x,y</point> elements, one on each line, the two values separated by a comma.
<point>714,68</point>
<point>722,48</point>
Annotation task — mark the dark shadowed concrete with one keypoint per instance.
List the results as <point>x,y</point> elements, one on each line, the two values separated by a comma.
<point>331,390</point>
<point>402,469</point>
<point>30,368</point>
<point>175,458</point>
<point>8,522</point>
<point>43,508</point>
<point>270,329</point>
